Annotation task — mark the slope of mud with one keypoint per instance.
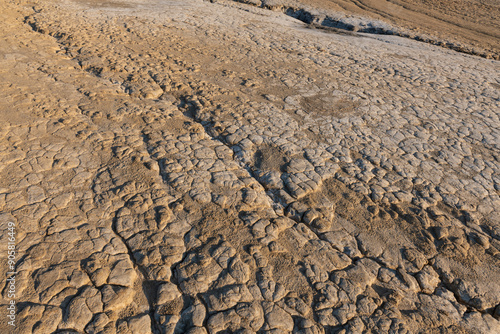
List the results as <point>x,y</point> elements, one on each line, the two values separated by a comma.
<point>207,167</point>
<point>465,26</point>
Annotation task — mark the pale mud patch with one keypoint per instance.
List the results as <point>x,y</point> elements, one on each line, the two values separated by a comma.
<point>331,106</point>
<point>182,124</point>
<point>270,158</point>
<point>285,266</point>
<point>372,217</point>
<point>457,254</point>
<point>106,3</point>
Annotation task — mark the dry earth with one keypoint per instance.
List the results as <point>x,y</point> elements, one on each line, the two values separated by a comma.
<point>470,26</point>
<point>214,167</point>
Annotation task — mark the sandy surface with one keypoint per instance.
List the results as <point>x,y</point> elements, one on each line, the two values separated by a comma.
<point>215,167</point>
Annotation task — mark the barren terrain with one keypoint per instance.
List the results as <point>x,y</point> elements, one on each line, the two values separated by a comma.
<point>470,26</point>
<point>220,167</point>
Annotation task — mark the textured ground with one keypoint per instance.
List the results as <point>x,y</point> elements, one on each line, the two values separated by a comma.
<point>470,26</point>
<point>215,167</point>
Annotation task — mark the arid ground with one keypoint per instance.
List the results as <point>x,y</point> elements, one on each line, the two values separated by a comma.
<point>466,25</point>
<point>262,167</point>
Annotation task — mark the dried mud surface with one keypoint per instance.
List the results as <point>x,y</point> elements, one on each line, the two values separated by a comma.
<point>471,25</point>
<point>216,167</point>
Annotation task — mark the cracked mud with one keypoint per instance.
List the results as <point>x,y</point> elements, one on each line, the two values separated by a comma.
<point>216,167</point>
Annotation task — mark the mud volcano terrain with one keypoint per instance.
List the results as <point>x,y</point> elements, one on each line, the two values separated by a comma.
<point>470,26</point>
<point>219,167</point>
